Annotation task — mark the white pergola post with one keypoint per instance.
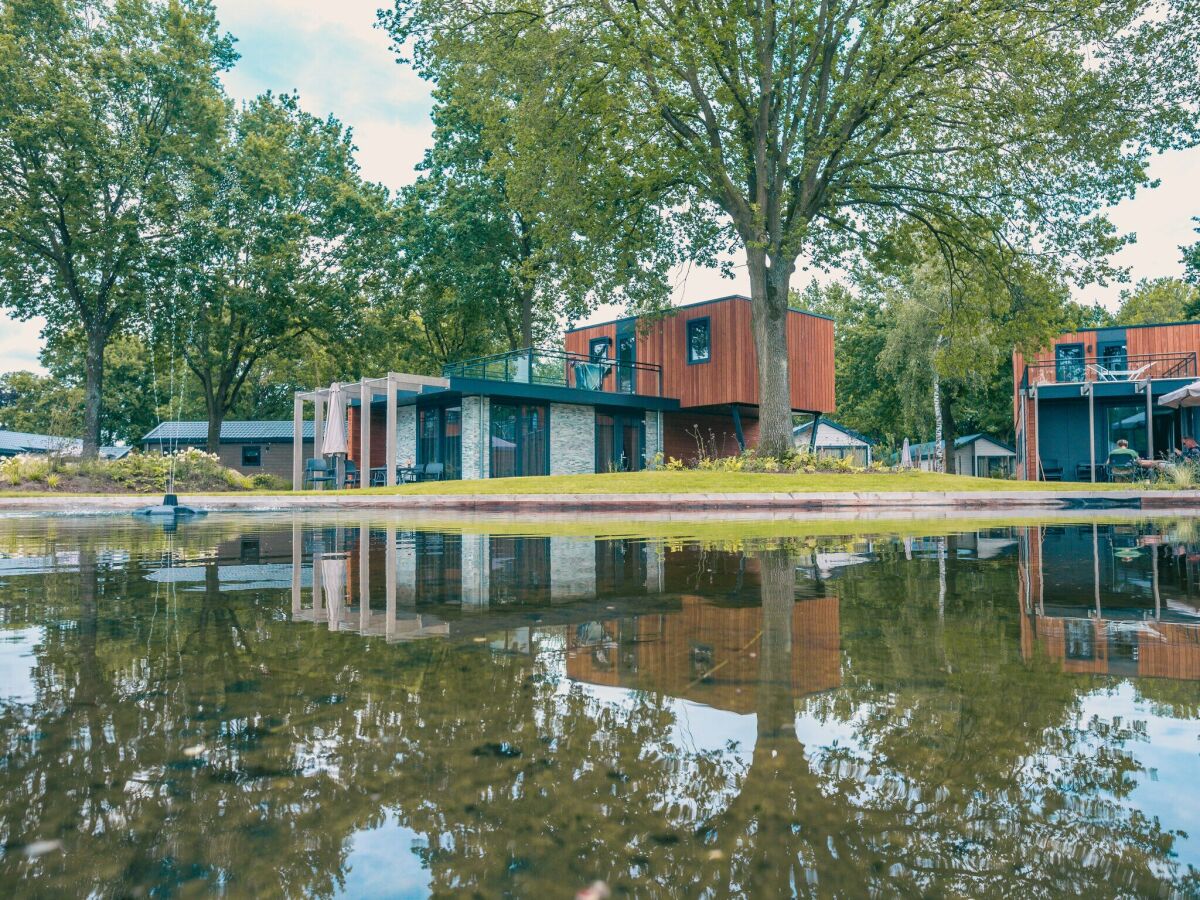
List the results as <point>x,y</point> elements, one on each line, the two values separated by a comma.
<point>1149,420</point>
<point>318,427</point>
<point>390,462</point>
<point>1091,428</point>
<point>297,442</point>
<point>364,464</point>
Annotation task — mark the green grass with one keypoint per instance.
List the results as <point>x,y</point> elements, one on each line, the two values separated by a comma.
<point>696,482</point>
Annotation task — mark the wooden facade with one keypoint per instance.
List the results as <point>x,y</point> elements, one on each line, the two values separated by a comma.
<point>731,375</point>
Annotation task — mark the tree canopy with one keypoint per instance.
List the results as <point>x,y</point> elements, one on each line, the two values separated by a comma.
<point>1001,129</point>
<point>104,108</point>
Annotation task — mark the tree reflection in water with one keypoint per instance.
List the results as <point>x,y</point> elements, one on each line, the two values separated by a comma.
<point>188,733</point>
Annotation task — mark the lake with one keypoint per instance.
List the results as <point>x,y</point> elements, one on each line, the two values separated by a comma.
<point>363,706</point>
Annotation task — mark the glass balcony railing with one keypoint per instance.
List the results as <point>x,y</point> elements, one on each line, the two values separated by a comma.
<point>558,368</point>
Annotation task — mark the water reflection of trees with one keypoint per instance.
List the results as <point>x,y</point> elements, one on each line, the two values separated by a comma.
<point>199,737</point>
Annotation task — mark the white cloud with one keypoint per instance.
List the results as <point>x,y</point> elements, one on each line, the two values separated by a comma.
<point>20,344</point>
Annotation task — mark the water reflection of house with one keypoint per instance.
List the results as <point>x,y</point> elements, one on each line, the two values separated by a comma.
<point>705,652</point>
<point>629,612</point>
<point>1111,599</point>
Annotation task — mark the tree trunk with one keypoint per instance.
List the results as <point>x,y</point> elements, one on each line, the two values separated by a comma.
<point>949,431</point>
<point>526,319</point>
<point>216,416</point>
<point>92,392</point>
<point>768,323</point>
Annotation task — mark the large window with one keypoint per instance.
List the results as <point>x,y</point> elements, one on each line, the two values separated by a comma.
<point>699,341</point>
<point>626,357</point>
<point>620,442</point>
<point>439,439</point>
<point>520,440</point>
<point>1068,362</point>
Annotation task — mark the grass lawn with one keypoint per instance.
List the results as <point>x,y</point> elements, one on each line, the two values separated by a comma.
<point>696,482</point>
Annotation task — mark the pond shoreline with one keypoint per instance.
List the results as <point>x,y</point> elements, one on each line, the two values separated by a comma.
<point>851,501</point>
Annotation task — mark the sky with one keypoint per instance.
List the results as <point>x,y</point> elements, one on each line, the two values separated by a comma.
<point>329,51</point>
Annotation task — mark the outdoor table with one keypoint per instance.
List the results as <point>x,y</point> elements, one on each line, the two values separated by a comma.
<point>404,475</point>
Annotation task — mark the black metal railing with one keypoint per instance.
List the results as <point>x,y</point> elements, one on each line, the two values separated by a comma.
<point>558,368</point>
<point>1126,367</point>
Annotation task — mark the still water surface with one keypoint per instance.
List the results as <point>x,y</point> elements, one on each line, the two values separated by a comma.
<point>266,706</point>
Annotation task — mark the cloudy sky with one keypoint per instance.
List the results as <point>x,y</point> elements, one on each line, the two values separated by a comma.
<point>329,52</point>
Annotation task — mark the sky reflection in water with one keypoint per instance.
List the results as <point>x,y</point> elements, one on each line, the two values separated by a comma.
<point>758,708</point>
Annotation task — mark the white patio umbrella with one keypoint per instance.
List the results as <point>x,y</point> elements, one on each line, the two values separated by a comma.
<point>334,441</point>
<point>905,455</point>
<point>1188,395</point>
<point>333,583</point>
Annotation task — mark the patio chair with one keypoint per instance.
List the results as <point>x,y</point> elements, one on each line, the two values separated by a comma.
<point>1051,470</point>
<point>316,471</point>
<point>1125,473</point>
<point>351,478</point>
<point>431,472</point>
<point>1083,472</point>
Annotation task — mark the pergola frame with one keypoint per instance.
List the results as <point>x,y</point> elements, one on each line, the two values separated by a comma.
<point>367,390</point>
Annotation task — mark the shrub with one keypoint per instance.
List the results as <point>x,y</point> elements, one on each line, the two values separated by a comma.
<point>1182,475</point>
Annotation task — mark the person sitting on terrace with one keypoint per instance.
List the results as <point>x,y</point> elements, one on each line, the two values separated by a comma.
<point>1123,462</point>
<point>1190,451</point>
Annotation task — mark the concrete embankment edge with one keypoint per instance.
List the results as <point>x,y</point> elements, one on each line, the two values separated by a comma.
<point>851,503</point>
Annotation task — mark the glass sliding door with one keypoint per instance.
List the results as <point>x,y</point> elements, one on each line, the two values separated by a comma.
<point>439,439</point>
<point>452,442</point>
<point>520,440</point>
<point>620,442</point>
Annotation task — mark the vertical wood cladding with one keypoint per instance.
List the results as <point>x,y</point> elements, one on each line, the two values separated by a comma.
<point>731,374</point>
<point>378,436</point>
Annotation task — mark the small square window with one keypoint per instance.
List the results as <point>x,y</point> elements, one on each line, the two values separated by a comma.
<point>251,456</point>
<point>598,348</point>
<point>699,341</point>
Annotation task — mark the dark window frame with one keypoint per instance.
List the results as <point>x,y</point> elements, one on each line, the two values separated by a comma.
<point>257,448</point>
<point>605,342</point>
<point>687,337</point>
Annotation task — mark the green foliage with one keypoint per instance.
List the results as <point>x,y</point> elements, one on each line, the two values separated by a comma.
<point>789,129</point>
<point>1159,300</point>
<point>281,239</point>
<point>138,473</point>
<point>103,109</point>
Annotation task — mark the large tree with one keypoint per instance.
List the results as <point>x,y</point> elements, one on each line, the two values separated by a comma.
<point>812,128</point>
<point>282,240</point>
<point>1158,300</point>
<point>103,106</point>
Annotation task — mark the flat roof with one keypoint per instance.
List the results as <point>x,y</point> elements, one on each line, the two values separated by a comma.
<point>796,309</point>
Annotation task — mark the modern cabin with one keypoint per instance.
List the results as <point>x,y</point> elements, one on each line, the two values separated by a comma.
<point>620,393</point>
<point>705,352</point>
<point>252,448</point>
<point>1093,387</point>
<point>974,454</point>
<point>24,443</point>
<point>834,441</point>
